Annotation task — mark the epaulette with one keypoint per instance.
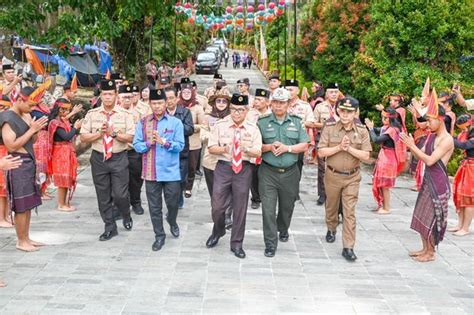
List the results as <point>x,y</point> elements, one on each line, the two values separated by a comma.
<point>264,116</point>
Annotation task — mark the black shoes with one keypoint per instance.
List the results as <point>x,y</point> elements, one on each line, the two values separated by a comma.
<point>228,223</point>
<point>108,235</point>
<point>213,240</point>
<point>321,201</point>
<point>174,229</point>
<point>128,224</point>
<point>348,254</point>
<point>284,236</point>
<point>330,237</point>
<point>138,209</point>
<point>198,173</point>
<point>238,252</point>
<point>255,205</point>
<point>158,244</point>
<point>270,252</point>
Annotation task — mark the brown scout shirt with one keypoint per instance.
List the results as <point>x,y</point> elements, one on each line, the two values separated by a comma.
<point>209,160</point>
<point>223,134</point>
<point>122,121</point>
<point>323,111</point>
<point>197,112</point>
<point>253,115</point>
<point>303,110</point>
<point>332,135</point>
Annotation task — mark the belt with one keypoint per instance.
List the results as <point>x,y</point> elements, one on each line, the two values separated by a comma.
<point>279,169</point>
<point>346,173</point>
<point>230,163</point>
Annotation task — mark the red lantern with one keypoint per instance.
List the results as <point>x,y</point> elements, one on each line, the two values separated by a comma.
<point>261,7</point>
<point>191,20</point>
<point>270,18</point>
<point>279,12</point>
<point>240,9</point>
<point>239,21</point>
<point>228,9</point>
<point>215,27</point>
<point>228,21</point>
<point>261,17</point>
<point>187,5</point>
<point>271,5</point>
<point>250,9</point>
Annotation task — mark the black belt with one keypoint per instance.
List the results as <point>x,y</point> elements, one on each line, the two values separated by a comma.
<point>279,169</point>
<point>230,163</point>
<point>347,173</point>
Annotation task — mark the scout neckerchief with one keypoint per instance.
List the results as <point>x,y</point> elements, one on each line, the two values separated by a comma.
<point>107,140</point>
<point>236,153</point>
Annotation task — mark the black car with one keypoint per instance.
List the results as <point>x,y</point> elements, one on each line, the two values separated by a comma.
<point>207,62</point>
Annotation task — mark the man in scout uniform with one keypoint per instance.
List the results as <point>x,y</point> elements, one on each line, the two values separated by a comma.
<point>284,138</point>
<point>134,158</point>
<point>273,83</point>
<point>235,141</point>
<point>11,83</point>
<point>217,87</point>
<point>261,104</point>
<point>322,112</point>
<point>344,143</point>
<point>110,128</point>
<point>159,137</point>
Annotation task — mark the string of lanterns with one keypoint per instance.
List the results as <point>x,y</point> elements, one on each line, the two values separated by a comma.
<point>239,17</point>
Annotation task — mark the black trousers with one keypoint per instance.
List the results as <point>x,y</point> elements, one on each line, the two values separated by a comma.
<point>231,188</point>
<point>111,180</point>
<point>254,187</point>
<point>209,176</point>
<point>193,159</point>
<point>321,171</point>
<point>135,174</point>
<point>151,80</point>
<point>183,171</point>
<point>171,192</point>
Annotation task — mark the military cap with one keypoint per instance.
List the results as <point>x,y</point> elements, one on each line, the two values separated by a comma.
<point>333,86</point>
<point>7,66</point>
<point>218,76</point>
<point>185,80</point>
<point>281,94</point>
<point>107,85</point>
<point>262,93</point>
<point>244,81</point>
<point>348,103</point>
<point>291,83</point>
<point>125,89</point>
<point>156,95</point>
<point>239,99</point>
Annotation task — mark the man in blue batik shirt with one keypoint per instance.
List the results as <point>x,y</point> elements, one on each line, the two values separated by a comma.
<point>160,137</point>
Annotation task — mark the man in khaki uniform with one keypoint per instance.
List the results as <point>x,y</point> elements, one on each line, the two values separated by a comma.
<point>344,143</point>
<point>235,141</point>
<point>110,129</point>
<point>322,112</point>
<point>218,86</point>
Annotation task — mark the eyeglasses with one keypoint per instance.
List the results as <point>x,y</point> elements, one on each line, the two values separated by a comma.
<point>127,97</point>
<point>238,110</point>
<point>221,101</point>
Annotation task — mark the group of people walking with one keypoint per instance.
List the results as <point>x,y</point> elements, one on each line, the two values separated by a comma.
<point>245,60</point>
<point>254,147</point>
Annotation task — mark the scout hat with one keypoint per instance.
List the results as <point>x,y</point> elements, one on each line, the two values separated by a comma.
<point>123,89</point>
<point>348,103</point>
<point>332,86</point>
<point>116,76</point>
<point>107,85</point>
<point>291,83</point>
<point>262,93</point>
<point>281,94</point>
<point>218,76</point>
<point>239,99</point>
<point>156,95</point>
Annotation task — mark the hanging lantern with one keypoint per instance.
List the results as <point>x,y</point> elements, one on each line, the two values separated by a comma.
<point>228,9</point>
<point>269,18</point>
<point>261,7</point>
<point>228,21</point>
<point>250,15</point>
<point>239,15</point>
<point>239,21</point>
<point>240,9</point>
<point>229,28</point>
<point>282,2</point>
<point>191,20</point>
<point>260,18</point>
<point>271,5</point>
<point>187,5</point>
<point>279,12</point>
<point>271,11</point>
<point>250,9</point>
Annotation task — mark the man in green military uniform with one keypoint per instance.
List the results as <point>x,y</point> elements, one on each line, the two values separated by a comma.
<point>283,138</point>
<point>344,143</point>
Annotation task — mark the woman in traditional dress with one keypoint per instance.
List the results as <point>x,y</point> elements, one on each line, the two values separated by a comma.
<point>390,161</point>
<point>5,218</point>
<point>63,162</point>
<point>220,108</point>
<point>463,185</point>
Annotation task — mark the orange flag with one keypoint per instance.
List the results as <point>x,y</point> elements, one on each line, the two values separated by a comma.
<point>107,75</point>
<point>34,61</point>
<point>74,83</point>
<point>38,94</point>
<point>432,104</point>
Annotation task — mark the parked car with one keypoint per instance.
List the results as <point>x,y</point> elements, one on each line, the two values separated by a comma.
<point>207,62</point>
<point>215,50</point>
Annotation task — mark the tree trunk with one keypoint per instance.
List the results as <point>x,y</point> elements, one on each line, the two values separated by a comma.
<point>140,53</point>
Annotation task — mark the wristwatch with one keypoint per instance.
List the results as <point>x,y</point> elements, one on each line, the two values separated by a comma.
<point>289,149</point>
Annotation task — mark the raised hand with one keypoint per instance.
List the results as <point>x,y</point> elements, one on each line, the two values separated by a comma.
<point>369,123</point>
<point>407,139</point>
<point>78,123</point>
<point>39,124</point>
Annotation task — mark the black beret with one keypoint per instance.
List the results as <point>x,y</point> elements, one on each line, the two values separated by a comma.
<point>7,66</point>
<point>107,85</point>
<point>239,99</point>
<point>125,89</point>
<point>262,93</point>
<point>218,76</point>
<point>292,83</point>
<point>332,85</point>
<point>348,103</point>
<point>156,95</point>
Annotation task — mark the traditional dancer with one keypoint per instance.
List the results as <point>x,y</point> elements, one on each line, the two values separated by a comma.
<point>63,161</point>
<point>431,209</point>
<point>390,161</point>
<point>5,220</point>
<point>463,185</point>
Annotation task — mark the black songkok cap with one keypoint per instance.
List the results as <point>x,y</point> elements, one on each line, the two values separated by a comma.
<point>332,85</point>
<point>218,76</point>
<point>125,89</point>
<point>262,93</point>
<point>239,99</point>
<point>291,83</point>
<point>156,95</point>
<point>7,66</point>
<point>107,85</point>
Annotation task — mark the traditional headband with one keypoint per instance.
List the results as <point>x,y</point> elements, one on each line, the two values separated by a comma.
<point>64,105</point>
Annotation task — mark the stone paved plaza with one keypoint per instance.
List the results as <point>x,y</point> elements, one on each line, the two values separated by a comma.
<point>78,274</point>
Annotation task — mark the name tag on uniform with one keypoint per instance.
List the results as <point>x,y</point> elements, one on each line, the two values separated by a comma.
<point>168,130</point>
<point>292,129</point>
